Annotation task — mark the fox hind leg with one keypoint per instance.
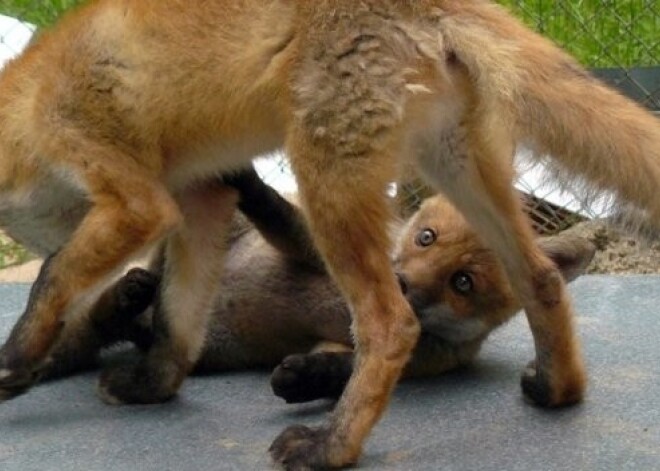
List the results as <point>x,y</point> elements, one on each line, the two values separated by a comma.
<point>478,179</point>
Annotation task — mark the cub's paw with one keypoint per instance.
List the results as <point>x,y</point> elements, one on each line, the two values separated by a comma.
<point>300,448</point>
<point>547,390</point>
<point>136,291</point>
<point>243,180</point>
<point>303,378</point>
<point>140,382</point>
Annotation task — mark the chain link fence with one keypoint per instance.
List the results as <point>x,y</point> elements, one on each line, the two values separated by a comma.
<point>619,40</point>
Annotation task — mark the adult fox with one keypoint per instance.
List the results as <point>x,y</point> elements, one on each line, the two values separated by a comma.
<point>276,302</point>
<point>114,124</point>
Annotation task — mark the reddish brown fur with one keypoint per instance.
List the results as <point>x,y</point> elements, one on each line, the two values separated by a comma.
<point>127,104</point>
<point>274,302</point>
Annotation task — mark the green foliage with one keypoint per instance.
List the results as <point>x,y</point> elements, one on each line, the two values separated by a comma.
<point>600,33</point>
<point>12,253</point>
<point>38,12</point>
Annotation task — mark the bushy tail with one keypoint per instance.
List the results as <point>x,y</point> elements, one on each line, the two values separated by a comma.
<point>594,136</point>
<point>597,139</point>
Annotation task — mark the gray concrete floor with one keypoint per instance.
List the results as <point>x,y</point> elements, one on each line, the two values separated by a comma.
<point>469,420</point>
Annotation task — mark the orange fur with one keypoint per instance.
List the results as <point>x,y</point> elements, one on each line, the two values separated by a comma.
<point>118,112</point>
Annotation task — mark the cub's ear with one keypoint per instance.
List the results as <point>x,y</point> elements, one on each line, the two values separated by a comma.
<point>572,254</point>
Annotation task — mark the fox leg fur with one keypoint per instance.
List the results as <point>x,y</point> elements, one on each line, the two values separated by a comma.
<point>345,191</point>
<point>130,211</point>
<point>486,197</point>
<point>191,273</point>
<point>111,319</point>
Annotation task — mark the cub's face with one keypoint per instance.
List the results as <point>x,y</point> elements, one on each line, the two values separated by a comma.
<point>456,286</point>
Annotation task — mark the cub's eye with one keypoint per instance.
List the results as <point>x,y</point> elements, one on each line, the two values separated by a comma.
<point>425,237</point>
<point>462,282</point>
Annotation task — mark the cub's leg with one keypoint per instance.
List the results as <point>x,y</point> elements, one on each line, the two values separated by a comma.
<point>130,211</point>
<point>115,316</point>
<point>110,320</point>
<point>321,373</point>
<point>344,196</point>
<point>306,377</point>
<point>190,275</point>
<point>281,223</point>
<point>478,180</point>
<point>324,375</point>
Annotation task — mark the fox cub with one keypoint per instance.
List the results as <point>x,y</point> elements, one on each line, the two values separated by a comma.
<point>115,124</point>
<point>277,305</point>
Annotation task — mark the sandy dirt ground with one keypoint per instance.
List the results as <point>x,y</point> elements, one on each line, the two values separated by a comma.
<point>25,273</point>
<point>618,253</point>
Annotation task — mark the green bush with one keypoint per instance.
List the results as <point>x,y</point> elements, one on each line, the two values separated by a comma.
<point>38,12</point>
<point>600,33</point>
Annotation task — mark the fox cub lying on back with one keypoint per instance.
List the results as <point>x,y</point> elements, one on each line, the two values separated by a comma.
<point>277,305</point>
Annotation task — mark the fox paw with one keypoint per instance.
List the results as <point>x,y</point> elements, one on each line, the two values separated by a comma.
<point>140,382</point>
<point>539,389</point>
<point>301,448</point>
<point>16,378</point>
<point>14,382</point>
<point>303,378</point>
<point>136,291</point>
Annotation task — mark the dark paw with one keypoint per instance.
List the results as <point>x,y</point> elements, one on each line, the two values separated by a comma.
<point>140,382</point>
<point>16,382</point>
<point>300,448</point>
<point>535,386</point>
<point>303,378</point>
<point>136,291</point>
<point>538,388</point>
<point>243,180</point>
<point>16,376</point>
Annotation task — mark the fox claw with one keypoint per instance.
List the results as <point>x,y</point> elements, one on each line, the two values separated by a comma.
<point>13,383</point>
<point>539,389</point>
<point>300,448</point>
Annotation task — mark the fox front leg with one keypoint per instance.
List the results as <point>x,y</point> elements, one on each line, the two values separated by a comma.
<point>124,195</point>
<point>192,265</point>
<point>113,318</point>
<point>349,228</point>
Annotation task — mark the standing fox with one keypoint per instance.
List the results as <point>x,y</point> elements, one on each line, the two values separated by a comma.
<point>114,125</point>
<point>275,299</point>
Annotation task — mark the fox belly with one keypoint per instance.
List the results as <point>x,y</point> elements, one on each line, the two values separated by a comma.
<point>43,216</point>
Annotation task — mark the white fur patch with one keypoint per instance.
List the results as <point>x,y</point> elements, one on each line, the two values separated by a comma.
<point>416,88</point>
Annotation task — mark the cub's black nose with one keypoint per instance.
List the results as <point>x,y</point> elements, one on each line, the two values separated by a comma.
<point>403,282</point>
